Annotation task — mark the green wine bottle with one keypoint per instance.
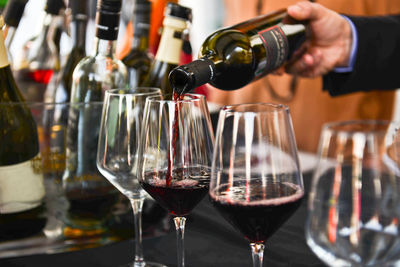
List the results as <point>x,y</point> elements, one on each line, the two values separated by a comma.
<point>234,56</point>
<point>22,208</point>
<point>59,88</point>
<point>138,60</point>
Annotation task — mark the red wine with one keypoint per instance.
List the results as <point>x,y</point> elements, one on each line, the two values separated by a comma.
<point>176,97</point>
<point>41,76</point>
<point>187,188</point>
<point>259,216</point>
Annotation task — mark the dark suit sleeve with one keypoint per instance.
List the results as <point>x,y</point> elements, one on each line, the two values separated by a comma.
<point>377,64</point>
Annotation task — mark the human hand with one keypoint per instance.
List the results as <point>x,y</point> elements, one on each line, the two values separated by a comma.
<point>330,43</point>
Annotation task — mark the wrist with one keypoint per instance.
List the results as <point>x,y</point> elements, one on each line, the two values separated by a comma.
<point>346,45</point>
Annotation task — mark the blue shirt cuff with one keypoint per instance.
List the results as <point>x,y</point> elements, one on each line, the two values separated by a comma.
<point>353,52</point>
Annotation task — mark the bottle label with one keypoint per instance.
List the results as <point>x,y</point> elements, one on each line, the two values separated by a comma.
<point>171,41</point>
<point>276,48</point>
<point>3,52</point>
<point>20,188</point>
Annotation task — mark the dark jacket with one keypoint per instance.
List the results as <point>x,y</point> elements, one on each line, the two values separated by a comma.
<point>377,64</point>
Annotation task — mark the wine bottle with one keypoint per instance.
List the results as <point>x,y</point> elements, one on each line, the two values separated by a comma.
<point>22,208</point>
<point>102,70</point>
<point>59,88</point>
<point>12,16</point>
<point>234,56</point>
<point>90,195</point>
<point>41,54</point>
<point>157,17</point>
<point>176,20</point>
<point>138,60</point>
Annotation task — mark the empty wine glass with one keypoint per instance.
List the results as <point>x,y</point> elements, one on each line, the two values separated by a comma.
<point>256,183</point>
<point>175,156</point>
<point>119,138</point>
<point>354,200</point>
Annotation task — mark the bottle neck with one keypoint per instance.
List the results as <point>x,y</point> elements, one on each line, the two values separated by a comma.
<point>78,33</point>
<point>104,48</point>
<point>10,36</point>
<point>171,40</point>
<point>141,22</point>
<point>107,25</point>
<point>140,42</point>
<point>47,22</point>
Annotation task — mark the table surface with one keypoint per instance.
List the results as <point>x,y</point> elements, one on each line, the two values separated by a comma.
<point>209,241</point>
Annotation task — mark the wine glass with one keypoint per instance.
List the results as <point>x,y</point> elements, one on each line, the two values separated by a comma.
<point>354,203</point>
<point>117,150</point>
<point>256,182</point>
<point>175,156</point>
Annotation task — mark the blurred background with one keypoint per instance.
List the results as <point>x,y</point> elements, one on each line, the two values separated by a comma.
<point>310,105</point>
<point>208,15</point>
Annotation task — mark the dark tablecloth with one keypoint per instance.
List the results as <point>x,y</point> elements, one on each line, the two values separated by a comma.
<point>209,241</point>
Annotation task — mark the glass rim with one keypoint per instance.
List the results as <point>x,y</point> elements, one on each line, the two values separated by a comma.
<point>131,91</point>
<point>45,104</point>
<point>250,108</point>
<point>355,126</point>
<point>194,98</point>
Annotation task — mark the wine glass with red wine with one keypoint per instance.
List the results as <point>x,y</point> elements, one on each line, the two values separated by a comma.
<point>175,156</point>
<point>256,182</point>
<point>119,139</point>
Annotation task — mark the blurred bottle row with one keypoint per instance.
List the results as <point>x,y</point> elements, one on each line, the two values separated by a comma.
<point>153,40</point>
<point>55,146</point>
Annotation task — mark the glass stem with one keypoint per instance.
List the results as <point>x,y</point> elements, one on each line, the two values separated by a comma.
<point>180,232</point>
<point>137,205</point>
<point>257,252</point>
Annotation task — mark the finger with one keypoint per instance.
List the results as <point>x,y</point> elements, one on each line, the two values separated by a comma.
<point>280,71</point>
<point>313,57</point>
<point>306,11</point>
<point>301,65</point>
<point>308,60</point>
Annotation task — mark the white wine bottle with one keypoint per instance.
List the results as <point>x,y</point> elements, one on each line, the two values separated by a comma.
<point>22,208</point>
<point>176,21</point>
<point>90,195</point>
<point>40,57</point>
<point>101,70</point>
<point>234,56</point>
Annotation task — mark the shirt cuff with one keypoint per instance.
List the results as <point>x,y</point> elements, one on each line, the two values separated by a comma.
<point>353,52</point>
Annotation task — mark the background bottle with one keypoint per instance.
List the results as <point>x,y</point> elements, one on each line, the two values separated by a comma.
<point>59,88</point>
<point>138,60</point>
<point>101,70</point>
<point>176,20</point>
<point>156,23</point>
<point>234,56</point>
<point>90,195</point>
<point>41,54</point>
<point>22,208</point>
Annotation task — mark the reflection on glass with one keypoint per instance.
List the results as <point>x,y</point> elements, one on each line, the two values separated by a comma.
<point>354,201</point>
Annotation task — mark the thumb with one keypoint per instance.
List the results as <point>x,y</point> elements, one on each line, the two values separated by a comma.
<point>305,11</point>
